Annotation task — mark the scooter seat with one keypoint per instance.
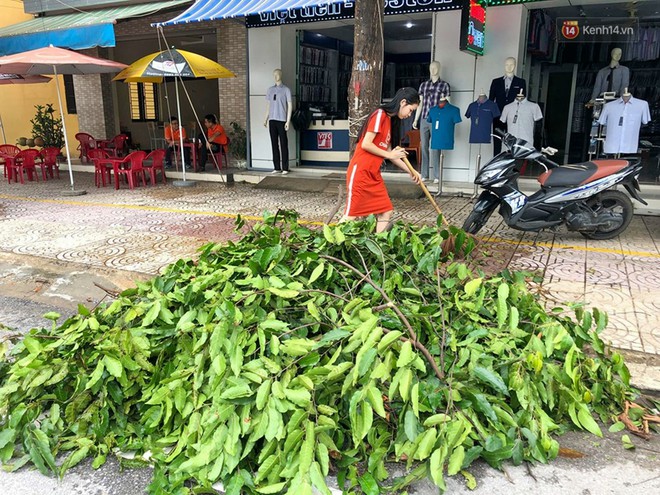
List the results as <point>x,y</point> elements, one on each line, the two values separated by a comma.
<point>575,174</point>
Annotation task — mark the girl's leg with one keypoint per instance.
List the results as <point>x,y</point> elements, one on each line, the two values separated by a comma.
<point>383,220</point>
<point>346,218</point>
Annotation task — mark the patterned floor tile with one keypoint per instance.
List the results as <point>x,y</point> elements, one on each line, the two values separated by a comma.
<point>146,229</point>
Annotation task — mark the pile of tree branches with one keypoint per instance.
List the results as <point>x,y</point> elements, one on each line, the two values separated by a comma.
<point>296,353</point>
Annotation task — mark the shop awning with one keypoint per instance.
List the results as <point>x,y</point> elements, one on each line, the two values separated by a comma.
<point>76,31</point>
<point>210,10</point>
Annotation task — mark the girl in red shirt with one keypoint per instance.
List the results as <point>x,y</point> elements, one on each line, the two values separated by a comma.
<point>366,193</point>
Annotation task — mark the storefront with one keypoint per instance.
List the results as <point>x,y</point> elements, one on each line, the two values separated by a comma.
<point>316,60</point>
<point>565,77</point>
<point>312,46</point>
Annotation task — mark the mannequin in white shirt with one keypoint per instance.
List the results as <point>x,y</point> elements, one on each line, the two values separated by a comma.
<point>277,77</point>
<point>279,108</point>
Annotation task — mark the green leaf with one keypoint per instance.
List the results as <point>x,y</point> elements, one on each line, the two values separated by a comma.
<point>96,375</point>
<point>318,271</point>
<point>587,421</point>
<point>328,234</point>
<point>113,365</point>
<point>369,484</point>
<point>617,427</point>
<point>283,293</point>
<point>627,443</point>
<point>456,460</point>
<point>470,481</point>
<point>472,286</point>
<point>274,488</point>
<point>491,378</point>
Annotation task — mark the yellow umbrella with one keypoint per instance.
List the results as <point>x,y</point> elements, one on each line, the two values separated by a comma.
<point>171,64</point>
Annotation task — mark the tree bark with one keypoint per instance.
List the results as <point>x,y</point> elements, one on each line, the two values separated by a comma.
<point>365,89</point>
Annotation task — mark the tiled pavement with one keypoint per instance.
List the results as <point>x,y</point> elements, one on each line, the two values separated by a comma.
<point>148,228</point>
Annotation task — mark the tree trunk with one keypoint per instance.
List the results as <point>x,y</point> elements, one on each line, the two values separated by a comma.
<point>365,89</point>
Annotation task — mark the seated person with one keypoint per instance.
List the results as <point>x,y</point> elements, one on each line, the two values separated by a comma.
<point>216,136</point>
<point>173,134</point>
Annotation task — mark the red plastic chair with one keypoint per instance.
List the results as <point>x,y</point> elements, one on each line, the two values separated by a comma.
<point>49,163</point>
<point>222,154</point>
<point>157,158</point>
<point>25,161</point>
<point>130,167</point>
<point>7,150</point>
<point>117,146</point>
<point>101,169</point>
<point>87,142</point>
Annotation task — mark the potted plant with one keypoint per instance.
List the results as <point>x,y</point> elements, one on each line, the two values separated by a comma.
<point>47,127</point>
<point>238,144</point>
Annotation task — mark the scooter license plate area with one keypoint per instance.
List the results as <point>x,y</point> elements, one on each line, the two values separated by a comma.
<point>516,200</point>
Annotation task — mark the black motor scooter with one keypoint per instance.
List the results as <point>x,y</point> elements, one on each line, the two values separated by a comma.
<point>579,195</point>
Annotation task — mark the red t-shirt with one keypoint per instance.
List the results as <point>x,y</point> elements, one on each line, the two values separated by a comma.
<point>366,191</point>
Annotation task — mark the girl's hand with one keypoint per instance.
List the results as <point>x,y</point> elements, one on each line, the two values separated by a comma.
<point>397,153</point>
<point>416,177</point>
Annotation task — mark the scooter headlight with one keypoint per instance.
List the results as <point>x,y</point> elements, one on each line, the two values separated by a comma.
<point>487,175</point>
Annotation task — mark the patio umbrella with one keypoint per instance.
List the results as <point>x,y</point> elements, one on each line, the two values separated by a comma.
<point>170,64</point>
<point>18,79</point>
<point>53,60</point>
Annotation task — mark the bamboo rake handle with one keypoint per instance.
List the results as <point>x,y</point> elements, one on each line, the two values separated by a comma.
<point>426,191</point>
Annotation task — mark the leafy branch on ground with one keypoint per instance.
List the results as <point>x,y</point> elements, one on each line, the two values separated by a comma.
<point>294,353</point>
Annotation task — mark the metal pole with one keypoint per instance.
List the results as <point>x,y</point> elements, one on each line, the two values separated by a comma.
<point>476,187</point>
<point>4,138</point>
<point>178,110</point>
<point>66,140</point>
<point>442,162</point>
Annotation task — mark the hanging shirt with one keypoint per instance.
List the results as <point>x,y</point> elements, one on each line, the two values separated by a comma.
<point>611,80</point>
<point>279,99</point>
<point>519,118</point>
<point>481,115</point>
<point>431,92</point>
<point>623,121</point>
<point>443,119</point>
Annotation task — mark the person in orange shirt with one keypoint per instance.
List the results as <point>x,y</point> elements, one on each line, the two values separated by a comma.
<point>173,134</point>
<point>216,136</point>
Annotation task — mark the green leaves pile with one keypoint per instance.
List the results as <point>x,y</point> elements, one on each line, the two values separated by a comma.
<point>297,353</point>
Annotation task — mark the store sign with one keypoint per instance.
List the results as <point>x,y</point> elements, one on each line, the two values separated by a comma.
<point>345,10</point>
<point>473,27</point>
<point>324,140</point>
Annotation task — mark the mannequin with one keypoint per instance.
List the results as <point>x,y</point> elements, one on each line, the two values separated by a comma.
<point>430,92</point>
<point>442,117</point>
<point>278,117</point>
<point>503,91</point>
<point>613,78</point>
<point>520,116</point>
<point>623,118</point>
<point>482,114</point>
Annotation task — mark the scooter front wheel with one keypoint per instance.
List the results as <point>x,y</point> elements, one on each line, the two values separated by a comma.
<point>476,220</point>
<point>614,203</point>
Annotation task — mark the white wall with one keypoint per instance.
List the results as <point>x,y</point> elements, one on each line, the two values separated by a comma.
<point>468,74</point>
<point>269,49</point>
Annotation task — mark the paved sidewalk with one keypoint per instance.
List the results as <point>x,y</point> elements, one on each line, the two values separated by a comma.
<point>141,231</point>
